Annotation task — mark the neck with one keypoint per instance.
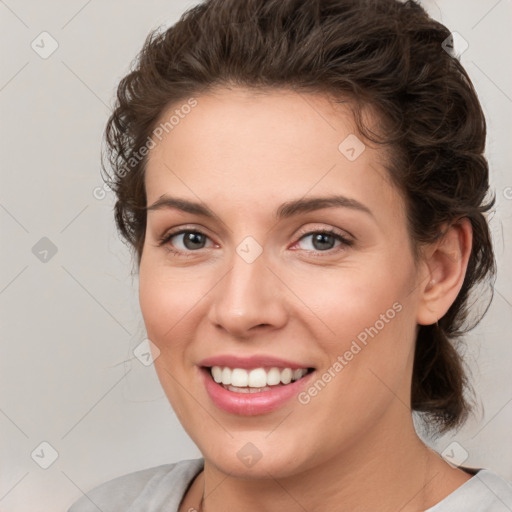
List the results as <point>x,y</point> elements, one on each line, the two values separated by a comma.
<point>390,468</point>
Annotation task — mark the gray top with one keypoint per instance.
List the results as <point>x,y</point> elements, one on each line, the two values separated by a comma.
<point>163,487</point>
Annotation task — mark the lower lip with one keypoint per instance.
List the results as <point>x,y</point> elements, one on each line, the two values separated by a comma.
<point>251,404</point>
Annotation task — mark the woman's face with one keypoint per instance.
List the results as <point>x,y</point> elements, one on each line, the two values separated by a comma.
<point>271,278</point>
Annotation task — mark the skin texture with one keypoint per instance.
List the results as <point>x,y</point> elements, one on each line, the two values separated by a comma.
<point>353,446</point>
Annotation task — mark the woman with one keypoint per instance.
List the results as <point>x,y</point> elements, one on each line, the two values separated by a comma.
<point>304,188</point>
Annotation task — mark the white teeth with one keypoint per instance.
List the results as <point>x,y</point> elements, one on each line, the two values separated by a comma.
<point>217,374</point>
<point>247,390</point>
<point>226,376</point>
<point>256,378</point>
<point>286,376</point>
<point>239,378</point>
<point>273,376</point>
<point>297,374</point>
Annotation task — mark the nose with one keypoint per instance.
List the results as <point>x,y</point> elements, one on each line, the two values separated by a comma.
<point>249,297</point>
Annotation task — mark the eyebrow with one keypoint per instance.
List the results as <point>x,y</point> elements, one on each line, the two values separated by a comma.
<point>286,210</point>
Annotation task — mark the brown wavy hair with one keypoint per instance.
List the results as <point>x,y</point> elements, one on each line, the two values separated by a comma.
<point>383,54</point>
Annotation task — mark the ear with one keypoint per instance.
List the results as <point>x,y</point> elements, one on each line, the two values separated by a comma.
<point>445,263</point>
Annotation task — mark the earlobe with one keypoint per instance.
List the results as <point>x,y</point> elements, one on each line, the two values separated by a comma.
<point>445,261</point>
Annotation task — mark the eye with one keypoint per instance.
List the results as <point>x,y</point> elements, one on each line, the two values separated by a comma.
<point>324,241</point>
<point>183,241</point>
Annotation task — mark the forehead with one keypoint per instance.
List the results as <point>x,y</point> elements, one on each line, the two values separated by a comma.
<point>246,148</point>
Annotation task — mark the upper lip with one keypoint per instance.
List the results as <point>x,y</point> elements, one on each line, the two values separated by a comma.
<point>255,361</point>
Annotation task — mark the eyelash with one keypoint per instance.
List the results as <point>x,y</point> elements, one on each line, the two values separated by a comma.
<point>345,242</point>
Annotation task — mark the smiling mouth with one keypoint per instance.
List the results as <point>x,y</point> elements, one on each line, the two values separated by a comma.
<point>256,380</point>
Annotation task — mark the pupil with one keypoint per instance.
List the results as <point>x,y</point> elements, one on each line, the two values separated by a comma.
<point>321,237</point>
<point>192,238</point>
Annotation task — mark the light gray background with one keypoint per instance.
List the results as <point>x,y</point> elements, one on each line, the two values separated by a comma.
<point>70,324</point>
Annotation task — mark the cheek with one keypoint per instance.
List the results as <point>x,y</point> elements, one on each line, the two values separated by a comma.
<point>168,300</point>
<point>366,327</point>
<point>346,301</point>
<point>164,304</point>
<point>152,299</point>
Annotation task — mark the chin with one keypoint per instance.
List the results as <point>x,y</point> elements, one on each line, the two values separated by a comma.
<point>257,459</point>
